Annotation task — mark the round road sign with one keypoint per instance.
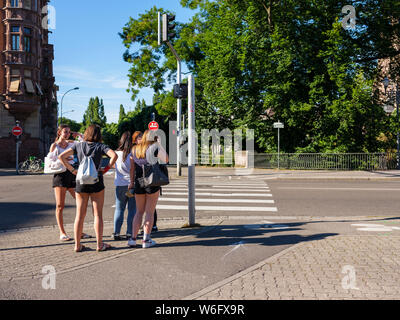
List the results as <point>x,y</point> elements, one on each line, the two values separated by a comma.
<point>153,125</point>
<point>17,131</point>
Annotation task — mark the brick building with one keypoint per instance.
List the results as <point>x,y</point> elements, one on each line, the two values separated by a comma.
<point>27,90</point>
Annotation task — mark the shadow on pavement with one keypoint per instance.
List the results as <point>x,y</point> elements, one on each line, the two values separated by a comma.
<point>14,215</point>
<point>226,235</point>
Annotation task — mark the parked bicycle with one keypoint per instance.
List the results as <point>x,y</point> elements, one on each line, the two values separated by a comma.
<point>32,164</point>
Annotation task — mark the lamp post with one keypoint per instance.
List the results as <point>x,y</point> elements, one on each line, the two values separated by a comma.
<point>397,102</point>
<point>61,113</point>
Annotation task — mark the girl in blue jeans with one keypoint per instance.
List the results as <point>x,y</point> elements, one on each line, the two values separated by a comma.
<point>123,185</point>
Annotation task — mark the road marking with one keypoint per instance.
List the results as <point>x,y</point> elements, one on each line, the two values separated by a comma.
<point>257,186</point>
<point>344,189</point>
<point>218,200</point>
<point>374,227</point>
<point>218,194</point>
<point>216,208</point>
<point>220,190</point>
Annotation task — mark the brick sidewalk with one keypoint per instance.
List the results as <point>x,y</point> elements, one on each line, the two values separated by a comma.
<point>27,251</point>
<point>317,270</point>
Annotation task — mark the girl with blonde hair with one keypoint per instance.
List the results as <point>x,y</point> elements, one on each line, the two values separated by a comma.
<point>147,152</point>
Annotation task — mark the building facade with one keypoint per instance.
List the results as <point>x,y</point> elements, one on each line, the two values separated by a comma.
<point>27,85</point>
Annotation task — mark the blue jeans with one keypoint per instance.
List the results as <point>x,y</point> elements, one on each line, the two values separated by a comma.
<point>120,204</point>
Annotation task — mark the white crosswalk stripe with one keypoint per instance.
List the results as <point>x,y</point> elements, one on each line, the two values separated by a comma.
<point>229,197</point>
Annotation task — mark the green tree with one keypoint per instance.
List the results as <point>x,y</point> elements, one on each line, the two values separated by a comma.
<point>94,113</point>
<point>122,114</point>
<point>259,61</point>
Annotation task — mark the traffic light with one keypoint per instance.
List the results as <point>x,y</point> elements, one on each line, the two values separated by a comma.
<point>181,91</point>
<point>168,28</point>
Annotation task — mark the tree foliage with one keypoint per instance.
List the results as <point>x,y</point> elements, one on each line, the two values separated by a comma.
<point>256,62</point>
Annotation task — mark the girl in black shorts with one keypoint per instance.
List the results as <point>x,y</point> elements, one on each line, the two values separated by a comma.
<point>63,182</point>
<point>148,151</point>
<point>91,146</point>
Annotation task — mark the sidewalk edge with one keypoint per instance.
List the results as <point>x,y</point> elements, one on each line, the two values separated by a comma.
<point>242,273</point>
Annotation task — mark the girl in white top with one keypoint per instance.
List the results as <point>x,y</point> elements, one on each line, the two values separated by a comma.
<point>122,181</point>
<point>63,182</point>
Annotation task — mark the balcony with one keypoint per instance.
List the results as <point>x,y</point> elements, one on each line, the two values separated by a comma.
<point>20,58</point>
<point>21,105</point>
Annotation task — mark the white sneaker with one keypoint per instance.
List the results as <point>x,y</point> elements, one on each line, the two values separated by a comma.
<point>131,242</point>
<point>149,243</point>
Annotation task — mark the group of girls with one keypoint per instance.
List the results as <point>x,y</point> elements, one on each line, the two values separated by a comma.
<point>133,152</point>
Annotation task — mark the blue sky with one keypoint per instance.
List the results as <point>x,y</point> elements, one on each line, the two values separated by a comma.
<point>88,52</point>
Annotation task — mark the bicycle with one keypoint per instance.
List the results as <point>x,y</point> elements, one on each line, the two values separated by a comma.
<point>32,164</point>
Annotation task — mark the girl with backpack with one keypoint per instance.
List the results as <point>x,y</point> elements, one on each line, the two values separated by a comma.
<point>92,148</point>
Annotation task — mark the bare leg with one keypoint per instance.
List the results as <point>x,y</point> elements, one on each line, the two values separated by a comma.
<point>140,207</point>
<point>60,194</point>
<point>81,208</point>
<point>151,202</point>
<point>97,204</point>
<point>72,192</point>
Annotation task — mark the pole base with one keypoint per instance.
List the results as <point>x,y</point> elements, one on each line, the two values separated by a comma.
<point>188,225</point>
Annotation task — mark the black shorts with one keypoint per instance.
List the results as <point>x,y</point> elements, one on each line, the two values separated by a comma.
<point>147,190</point>
<point>64,180</point>
<point>90,188</point>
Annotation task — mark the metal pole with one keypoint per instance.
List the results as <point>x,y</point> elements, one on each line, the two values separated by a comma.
<point>17,156</point>
<point>159,27</point>
<point>17,151</point>
<point>62,103</point>
<point>178,129</point>
<point>278,147</point>
<point>192,152</point>
<point>398,140</point>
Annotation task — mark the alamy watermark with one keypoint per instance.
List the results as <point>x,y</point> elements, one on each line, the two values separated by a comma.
<point>49,19</point>
<point>349,281</point>
<point>49,280</point>
<point>349,21</point>
<point>211,149</point>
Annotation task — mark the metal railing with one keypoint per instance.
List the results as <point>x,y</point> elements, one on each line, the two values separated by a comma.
<point>326,161</point>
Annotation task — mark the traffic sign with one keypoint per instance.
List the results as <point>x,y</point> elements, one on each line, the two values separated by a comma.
<point>278,125</point>
<point>153,125</point>
<point>17,131</point>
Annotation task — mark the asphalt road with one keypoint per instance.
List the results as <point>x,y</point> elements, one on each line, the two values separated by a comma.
<point>28,201</point>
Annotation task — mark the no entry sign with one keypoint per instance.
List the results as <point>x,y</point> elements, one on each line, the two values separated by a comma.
<point>153,125</point>
<point>17,131</point>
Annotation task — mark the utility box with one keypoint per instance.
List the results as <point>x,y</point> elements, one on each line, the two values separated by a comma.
<point>181,91</point>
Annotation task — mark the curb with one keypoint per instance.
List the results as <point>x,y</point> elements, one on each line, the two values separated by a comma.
<point>241,274</point>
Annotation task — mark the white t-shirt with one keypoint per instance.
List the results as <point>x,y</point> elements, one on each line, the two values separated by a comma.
<point>122,170</point>
<point>61,150</point>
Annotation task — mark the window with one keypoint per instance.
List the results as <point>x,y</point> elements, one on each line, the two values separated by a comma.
<point>15,72</point>
<point>27,4</point>
<point>27,73</point>
<point>27,44</point>
<point>14,87</point>
<point>28,31</point>
<point>15,42</point>
<point>15,29</point>
<point>29,86</point>
<point>14,3</point>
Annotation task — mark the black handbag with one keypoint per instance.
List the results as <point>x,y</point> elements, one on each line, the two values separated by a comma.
<point>154,175</point>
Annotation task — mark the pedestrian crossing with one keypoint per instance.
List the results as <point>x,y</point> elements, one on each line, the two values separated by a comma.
<point>229,197</point>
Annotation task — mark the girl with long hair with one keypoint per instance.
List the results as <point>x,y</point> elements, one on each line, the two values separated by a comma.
<point>147,152</point>
<point>63,182</point>
<point>91,146</point>
<point>136,139</point>
<point>123,184</point>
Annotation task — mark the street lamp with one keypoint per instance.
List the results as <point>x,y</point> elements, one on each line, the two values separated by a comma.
<point>61,113</point>
<point>64,113</point>
<point>386,84</point>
